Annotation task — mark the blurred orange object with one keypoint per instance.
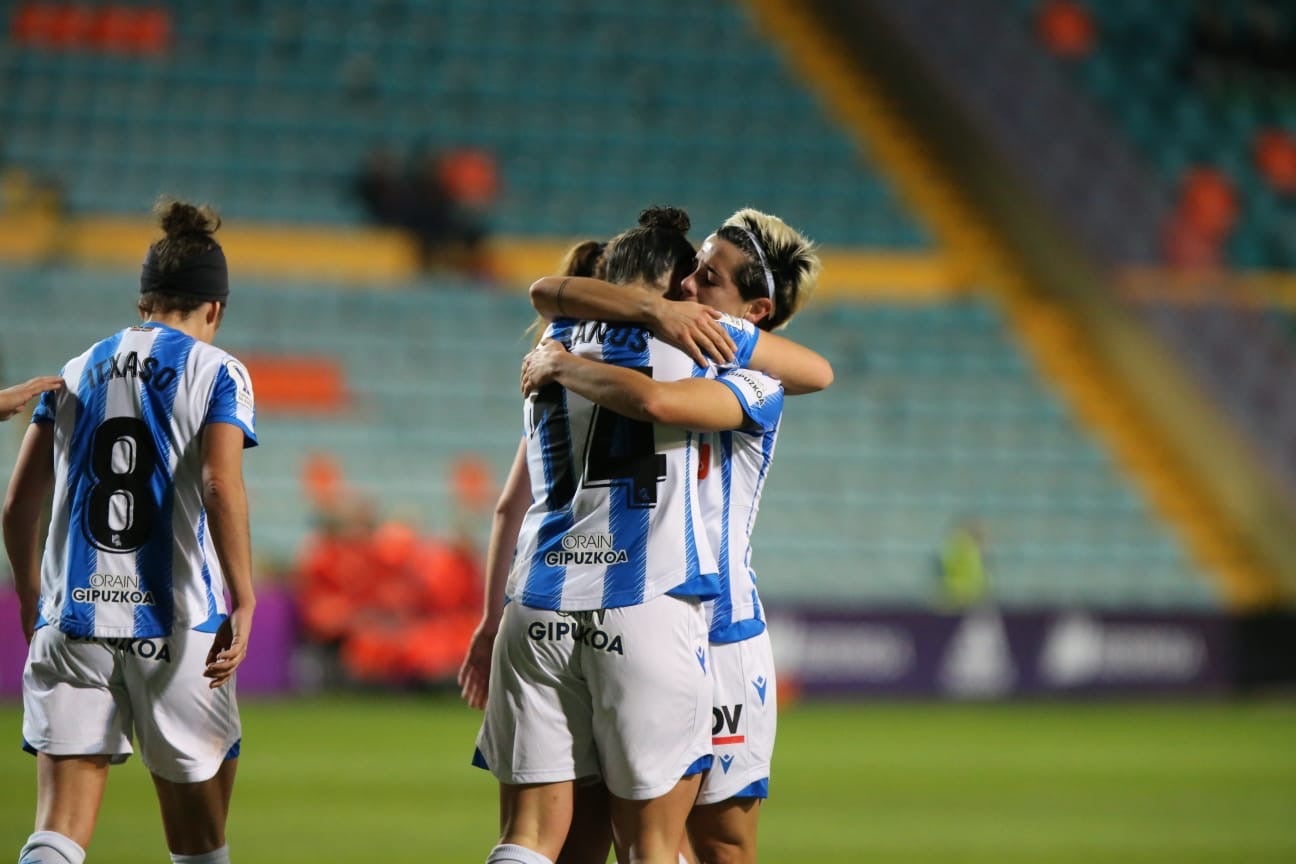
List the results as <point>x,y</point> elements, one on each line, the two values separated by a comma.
<point>1208,201</point>
<point>470,478</point>
<point>1066,27</point>
<point>1275,158</point>
<point>322,481</point>
<point>469,176</point>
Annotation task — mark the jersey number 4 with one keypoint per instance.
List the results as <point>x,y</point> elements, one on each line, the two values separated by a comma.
<point>621,452</point>
<point>121,509</point>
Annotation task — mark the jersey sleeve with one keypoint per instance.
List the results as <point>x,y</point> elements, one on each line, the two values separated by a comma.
<point>760,395</point>
<point>232,400</point>
<point>46,408</point>
<point>744,334</point>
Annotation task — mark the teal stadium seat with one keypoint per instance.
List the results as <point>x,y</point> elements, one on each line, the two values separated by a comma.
<point>592,109</point>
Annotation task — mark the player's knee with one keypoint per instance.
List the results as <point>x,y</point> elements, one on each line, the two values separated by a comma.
<point>50,847</point>
<point>711,850</point>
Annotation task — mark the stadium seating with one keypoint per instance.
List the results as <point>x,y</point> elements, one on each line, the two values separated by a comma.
<point>1143,68</point>
<point>936,418</point>
<point>271,108</point>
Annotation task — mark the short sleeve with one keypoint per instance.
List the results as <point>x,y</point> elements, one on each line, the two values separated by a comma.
<point>46,408</point>
<point>760,395</point>
<point>744,334</point>
<point>232,400</point>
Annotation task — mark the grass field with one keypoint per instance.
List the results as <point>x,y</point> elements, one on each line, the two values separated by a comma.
<point>387,779</point>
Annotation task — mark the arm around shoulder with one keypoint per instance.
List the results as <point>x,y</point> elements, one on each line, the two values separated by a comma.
<point>800,369</point>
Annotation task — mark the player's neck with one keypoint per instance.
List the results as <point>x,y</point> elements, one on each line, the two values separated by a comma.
<point>191,324</point>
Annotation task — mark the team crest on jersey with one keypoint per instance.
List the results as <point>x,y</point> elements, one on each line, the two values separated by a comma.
<point>242,382</point>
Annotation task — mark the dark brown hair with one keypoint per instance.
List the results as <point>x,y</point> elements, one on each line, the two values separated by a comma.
<point>187,231</point>
<point>657,247</point>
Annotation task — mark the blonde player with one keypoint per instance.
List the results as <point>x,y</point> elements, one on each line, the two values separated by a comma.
<point>756,268</point>
<point>130,634</point>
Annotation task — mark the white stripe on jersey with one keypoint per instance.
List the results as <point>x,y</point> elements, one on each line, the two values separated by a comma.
<point>128,554</point>
<point>730,492</point>
<point>614,519</point>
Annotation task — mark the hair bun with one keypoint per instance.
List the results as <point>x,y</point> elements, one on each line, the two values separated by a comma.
<point>180,219</point>
<point>665,217</point>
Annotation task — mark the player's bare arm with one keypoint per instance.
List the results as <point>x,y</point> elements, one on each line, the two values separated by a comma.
<point>29,488</point>
<point>225,500</point>
<point>474,674</point>
<point>689,326</point>
<point>695,403</point>
<point>799,369</point>
<point>12,399</point>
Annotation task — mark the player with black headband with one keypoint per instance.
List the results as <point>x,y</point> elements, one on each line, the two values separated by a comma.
<point>130,632</point>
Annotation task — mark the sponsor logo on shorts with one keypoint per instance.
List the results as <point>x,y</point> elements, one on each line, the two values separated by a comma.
<point>701,655</point>
<point>724,724</point>
<point>760,683</point>
<point>725,761</point>
<point>114,588</point>
<point>149,649</point>
<point>582,631</point>
<point>590,549</point>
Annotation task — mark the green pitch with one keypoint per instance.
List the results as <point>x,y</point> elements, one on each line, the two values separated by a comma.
<point>387,779</point>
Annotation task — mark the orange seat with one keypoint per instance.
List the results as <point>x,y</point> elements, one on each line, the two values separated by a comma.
<point>297,384</point>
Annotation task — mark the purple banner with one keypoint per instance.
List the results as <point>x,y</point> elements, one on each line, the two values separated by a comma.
<point>987,654</point>
<point>267,669</point>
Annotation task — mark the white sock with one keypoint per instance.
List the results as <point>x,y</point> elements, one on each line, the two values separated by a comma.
<point>511,853</point>
<point>50,847</point>
<point>216,856</point>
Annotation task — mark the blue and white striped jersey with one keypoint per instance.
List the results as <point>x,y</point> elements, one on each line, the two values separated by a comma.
<point>614,519</point>
<point>733,475</point>
<point>128,552</point>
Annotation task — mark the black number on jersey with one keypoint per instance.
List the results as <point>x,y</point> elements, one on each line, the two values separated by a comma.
<point>123,457</point>
<point>622,452</point>
<point>549,418</point>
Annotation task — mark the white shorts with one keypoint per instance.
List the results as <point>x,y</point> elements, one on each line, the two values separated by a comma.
<point>86,697</point>
<point>744,720</point>
<point>623,693</point>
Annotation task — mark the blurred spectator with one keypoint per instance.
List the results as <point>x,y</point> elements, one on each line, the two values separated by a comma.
<point>390,605</point>
<point>1253,50</point>
<point>962,566</point>
<point>1066,27</point>
<point>444,201</point>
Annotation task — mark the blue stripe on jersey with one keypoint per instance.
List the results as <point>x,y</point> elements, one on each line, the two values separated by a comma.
<point>78,618</point>
<point>155,559</point>
<point>628,524</point>
<point>722,608</point>
<point>703,586</point>
<point>213,620</point>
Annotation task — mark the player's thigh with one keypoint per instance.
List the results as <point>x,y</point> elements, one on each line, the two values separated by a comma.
<point>647,668</point>
<point>725,833</point>
<point>185,728</point>
<point>653,830</point>
<point>537,724</point>
<point>536,815</point>
<point>590,837</point>
<point>74,697</point>
<point>744,720</point>
<point>194,814</point>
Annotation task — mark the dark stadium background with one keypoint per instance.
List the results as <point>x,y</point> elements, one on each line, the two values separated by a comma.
<point>1029,563</point>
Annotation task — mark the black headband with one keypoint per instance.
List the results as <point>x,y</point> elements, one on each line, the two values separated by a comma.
<point>204,276</point>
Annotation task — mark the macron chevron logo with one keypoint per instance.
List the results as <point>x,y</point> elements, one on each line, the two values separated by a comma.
<point>701,655</point>
<point>760,683</point>
<point>725,761</point>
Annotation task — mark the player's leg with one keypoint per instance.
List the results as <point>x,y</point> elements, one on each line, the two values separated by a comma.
<point>725,833</point>
<point>647,668</point>
<point>535,737</point>
<point>188,737</point>
<point>651,831</point>
<point>590,838</point>
<point>722,827</point>
<point>75,717</point>
<point>69,790</point>
<point>194,815</point>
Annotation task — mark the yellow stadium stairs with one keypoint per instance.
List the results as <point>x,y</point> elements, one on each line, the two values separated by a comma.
<point>1048,328</point>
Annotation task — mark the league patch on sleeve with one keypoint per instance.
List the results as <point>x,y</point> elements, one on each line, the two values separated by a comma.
<point>242,383</point>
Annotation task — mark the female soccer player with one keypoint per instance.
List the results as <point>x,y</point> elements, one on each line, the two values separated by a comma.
<point>126,614</point>
<point>757,268</point>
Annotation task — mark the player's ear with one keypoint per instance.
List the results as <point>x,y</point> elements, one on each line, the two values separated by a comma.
<point>759,309</point>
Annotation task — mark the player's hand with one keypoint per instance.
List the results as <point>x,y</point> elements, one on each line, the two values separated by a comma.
<point>541,365</point>
<point>12,399</point>
<point>694,329</point>
<point>474,674</point>
<point>229,647</point>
